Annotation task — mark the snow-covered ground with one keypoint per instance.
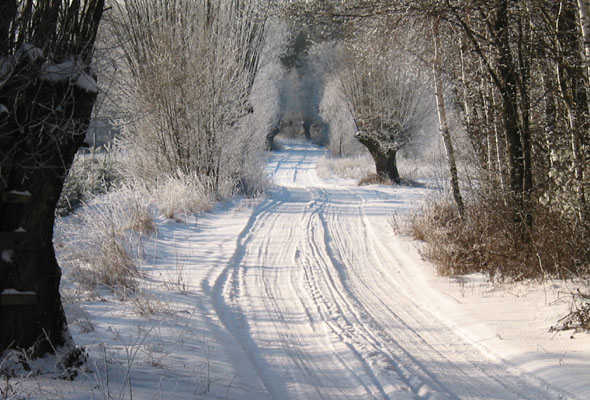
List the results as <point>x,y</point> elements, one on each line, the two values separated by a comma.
<point>308,294</point>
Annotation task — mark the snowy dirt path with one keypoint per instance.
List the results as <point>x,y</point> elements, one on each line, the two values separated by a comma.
<point>326,303</point>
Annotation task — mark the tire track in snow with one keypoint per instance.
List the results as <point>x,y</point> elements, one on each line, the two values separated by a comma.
<point>308,296</point>
<point>361,328</point>
<point>231,316</point>
<point>511,383</point>
<point>461,385</point>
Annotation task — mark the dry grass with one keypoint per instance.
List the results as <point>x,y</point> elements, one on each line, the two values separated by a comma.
<point>362,169</point>
<point>102,243</point>
<point>183,194</point>
<point>489,241</point>
<point>374,179</point>
<point>347,167</point>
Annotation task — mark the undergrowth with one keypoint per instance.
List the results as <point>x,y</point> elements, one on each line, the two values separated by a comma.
<point>489,241</point>
<point>90,175</point>
<point>578,317</point>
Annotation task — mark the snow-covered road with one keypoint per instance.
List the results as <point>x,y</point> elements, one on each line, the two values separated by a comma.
<point>326,303</point>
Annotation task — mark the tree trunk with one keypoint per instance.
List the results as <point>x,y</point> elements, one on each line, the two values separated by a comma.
<point>572,84</point>
<point>270,137</point>
<point>443,124</point>
<point>385,159</point>
<point>306,129</point>
<point>43,129</point>
<point>519,186</point>
<point>40,168</point>
<point>386,165</point>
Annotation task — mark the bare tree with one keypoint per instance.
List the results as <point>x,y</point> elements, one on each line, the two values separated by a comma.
<point>47,92</point>
<point>386,96</point>
<point>192,66</point>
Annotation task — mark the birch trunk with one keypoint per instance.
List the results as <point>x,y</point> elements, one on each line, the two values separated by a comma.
<point>442,119</point>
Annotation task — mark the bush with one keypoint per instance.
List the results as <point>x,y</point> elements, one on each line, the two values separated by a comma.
<point>578,318</point>
<point>489,241</point>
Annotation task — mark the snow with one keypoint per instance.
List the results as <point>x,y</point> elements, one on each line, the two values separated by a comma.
<point>308,294</point>
<point>14,291</point>
<point>87,83</point>
<point>3,109</point>
<point>7,255</point>
<point>70,69</point>
<point>59,72</point>
<point>20,229</point>
<point>30,52</point>
<point>20,192</point>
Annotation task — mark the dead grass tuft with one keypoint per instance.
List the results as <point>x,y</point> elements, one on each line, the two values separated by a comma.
<point>104,240</point>
<point>184,194</point>
<point>374,179</point>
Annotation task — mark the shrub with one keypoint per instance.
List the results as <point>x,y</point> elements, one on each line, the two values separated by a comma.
<point>578,318</point>
<point>489,241</point>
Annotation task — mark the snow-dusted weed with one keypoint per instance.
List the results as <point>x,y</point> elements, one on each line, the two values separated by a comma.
<point>102,242</point>
<point>77,314</point>
<point>183,194</point>
<point>146,304</point>
<point>355,167</point>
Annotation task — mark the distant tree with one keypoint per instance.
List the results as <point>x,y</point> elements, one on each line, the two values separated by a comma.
<point>386,96</point>
<point>47,93</point>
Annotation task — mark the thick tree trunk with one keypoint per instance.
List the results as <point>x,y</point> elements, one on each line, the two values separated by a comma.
<point>443,124</point>
<point>306,129</point>
<point>385,159</point>
<point>44,120</point>
<point>386,165</point>
<point>38,166</point>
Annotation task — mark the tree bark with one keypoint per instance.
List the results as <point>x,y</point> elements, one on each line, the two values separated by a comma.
<point>306,124</point>
<point>385,158</point>
<point>442,120</point>
<point>270,137</point>
<point>519,185</point>
<point>44,127</point>
<point>33,267</point>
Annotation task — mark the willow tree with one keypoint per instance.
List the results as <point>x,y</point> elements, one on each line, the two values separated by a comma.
<point>47,92</point>
<point>386,96</point>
